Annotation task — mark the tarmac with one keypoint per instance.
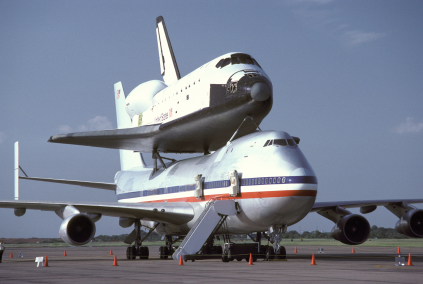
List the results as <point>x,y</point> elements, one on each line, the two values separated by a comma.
<point>337,264</point>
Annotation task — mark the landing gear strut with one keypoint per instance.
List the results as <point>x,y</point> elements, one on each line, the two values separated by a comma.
<point>275,237</point>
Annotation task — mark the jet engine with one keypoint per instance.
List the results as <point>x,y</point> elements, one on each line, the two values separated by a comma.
<point>411,224</point>
<point>141,98</point>
<point>352,229</point>
<point>77,230</point>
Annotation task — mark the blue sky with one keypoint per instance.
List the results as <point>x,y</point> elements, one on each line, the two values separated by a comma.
<point>347,79</point>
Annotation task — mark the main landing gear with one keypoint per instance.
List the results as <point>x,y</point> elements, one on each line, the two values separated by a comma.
<point>166,251</point>
<point>137,249</point>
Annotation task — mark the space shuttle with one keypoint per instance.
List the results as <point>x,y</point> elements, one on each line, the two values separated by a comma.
<point>222,100</point>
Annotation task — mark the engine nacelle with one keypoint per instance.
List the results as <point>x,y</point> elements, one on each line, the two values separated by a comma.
<point>352,229</point>
<point>411,224</point>
<point>77,230</point>
<point>141,98</point>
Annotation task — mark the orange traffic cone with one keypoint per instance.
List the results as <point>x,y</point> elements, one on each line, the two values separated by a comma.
<point>46,262</point>
<point>295,251</point>
<point>115,262</point>
<point>399,251</point>
<point>353,250</point>
<point>250,262</point>
<point>181,261</point>
<point>111,252</point>
<point>410,263</point>
<point>65,254</point>
<point>313,260</point>
<point>11,253</point>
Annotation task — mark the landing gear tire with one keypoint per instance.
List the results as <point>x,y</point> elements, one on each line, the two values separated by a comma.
<point>131,252</point>
<point>270,253</point>
<point>282,253</point>
<point>128,253</point>
<point>163,252</point>
<point>239,258</point>
<point>143,253</point>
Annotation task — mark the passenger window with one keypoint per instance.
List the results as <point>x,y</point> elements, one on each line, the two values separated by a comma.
<point>267,142</point>
<point>291,142</point>
<point>219,63</point>
<point>225,62</point>
<point>280,142</point>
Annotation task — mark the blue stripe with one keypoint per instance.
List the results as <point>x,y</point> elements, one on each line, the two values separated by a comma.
<point>220,184</point>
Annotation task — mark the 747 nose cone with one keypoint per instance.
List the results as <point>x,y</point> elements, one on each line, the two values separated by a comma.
<point>260,91</point>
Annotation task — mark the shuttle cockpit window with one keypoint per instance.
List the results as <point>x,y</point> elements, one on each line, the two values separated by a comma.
<point>225,62</point>
<point>237,59</point>
<point>219,63</point>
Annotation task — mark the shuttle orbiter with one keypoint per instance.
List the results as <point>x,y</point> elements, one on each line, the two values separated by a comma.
<point>197,113</point>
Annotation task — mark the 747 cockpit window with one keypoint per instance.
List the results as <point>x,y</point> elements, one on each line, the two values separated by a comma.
<point>280,142</point>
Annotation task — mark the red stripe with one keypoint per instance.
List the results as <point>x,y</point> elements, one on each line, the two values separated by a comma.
<point>245,195</point>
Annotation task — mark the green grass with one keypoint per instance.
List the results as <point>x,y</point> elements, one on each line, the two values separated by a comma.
<point>295,242</point>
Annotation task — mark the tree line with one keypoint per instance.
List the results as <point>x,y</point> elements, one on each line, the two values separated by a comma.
<point>376,232</point>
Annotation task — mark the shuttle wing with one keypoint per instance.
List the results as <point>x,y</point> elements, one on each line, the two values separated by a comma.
<point>174,213</point>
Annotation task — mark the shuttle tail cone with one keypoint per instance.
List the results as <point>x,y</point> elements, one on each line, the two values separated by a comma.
<point>260,92</point>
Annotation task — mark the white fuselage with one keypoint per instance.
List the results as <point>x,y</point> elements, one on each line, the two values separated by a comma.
<point>277,184</point>
<point>191,93</point>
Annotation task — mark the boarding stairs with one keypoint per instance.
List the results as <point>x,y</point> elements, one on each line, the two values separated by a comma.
<point>214,214</point>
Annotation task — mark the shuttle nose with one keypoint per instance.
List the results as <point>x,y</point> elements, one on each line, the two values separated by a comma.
<point>260,91</point>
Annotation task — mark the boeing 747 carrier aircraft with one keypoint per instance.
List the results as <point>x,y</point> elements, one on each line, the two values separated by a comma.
<point>253,181</point>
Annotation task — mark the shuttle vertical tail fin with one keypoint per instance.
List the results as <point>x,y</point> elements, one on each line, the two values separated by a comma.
<point>128,159</point>
<point>168,65</point>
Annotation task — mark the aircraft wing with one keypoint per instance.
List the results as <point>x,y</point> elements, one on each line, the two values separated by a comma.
<point>136,138</point>
<point>100,185</point>
<point>163,212</point>
<point>320,206</point>
<point>188,134</point>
